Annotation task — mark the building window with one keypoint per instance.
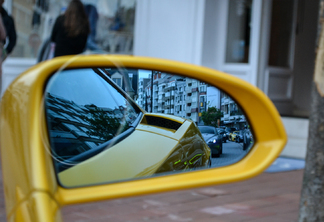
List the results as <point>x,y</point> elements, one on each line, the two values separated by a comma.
<point>281,33</point>
<point>226,109</point>
<point>117,81</point>
<point>238,31</point>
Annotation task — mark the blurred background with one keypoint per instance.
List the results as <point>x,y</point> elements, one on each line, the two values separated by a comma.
<point>269,43</point>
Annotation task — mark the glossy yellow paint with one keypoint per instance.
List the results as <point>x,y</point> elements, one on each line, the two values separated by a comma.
<point>127,159</point>
<point>28,173</point>
<point>118,159</point>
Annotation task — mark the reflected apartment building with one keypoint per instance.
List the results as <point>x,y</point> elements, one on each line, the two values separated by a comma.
<point>186,98</point>
<point>143,94</point>
<point>232,114</point>
<point>168,94</point>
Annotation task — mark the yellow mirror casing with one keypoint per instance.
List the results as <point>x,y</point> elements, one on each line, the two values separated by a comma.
<point>31,189</point>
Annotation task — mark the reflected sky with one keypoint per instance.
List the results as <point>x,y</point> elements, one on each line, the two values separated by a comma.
<point>84,87</point>
<point>142,73</point>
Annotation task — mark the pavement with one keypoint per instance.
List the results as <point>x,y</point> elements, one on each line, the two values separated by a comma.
<point>267,197</point>
<point>286,164</point>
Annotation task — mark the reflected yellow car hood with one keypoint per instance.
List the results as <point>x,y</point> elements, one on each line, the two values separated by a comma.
<point>148,150</point>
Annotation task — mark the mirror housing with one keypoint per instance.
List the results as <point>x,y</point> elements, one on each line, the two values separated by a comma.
<point>26,159</point>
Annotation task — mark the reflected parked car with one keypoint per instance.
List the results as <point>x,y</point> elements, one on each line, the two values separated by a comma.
<point>239,137</point>
<point>222,132</point>
<point>232,136</point>
<point>213,139</point>
<point>228,131</point>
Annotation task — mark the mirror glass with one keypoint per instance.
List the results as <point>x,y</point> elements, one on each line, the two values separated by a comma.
<point>111,124</point>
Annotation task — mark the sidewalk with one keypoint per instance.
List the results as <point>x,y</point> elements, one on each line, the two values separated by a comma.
<point>267,198</point>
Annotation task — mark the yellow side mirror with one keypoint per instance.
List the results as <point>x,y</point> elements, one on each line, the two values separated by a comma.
<point>71,132</point>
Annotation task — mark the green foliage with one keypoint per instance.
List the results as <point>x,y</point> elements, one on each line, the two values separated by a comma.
<point>212,116</point>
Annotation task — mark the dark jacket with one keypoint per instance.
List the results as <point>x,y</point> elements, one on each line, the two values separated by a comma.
<point>10,29</point>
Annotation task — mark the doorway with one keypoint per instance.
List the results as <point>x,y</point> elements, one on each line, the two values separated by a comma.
<point>288,54</point>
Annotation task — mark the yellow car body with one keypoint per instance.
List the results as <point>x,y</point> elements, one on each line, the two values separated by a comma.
<point>164,150</point>
<point>32,189</point>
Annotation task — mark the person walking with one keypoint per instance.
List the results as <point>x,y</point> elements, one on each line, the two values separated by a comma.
<point>11,35</point>
<point>71,30</point>
<point>3,35</point>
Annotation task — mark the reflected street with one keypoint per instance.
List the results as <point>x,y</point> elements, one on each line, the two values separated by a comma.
<point>232,153</point>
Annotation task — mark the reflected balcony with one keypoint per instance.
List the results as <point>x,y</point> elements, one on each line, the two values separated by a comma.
<point>194,110</point>
<point>189,89</point>
<point>188,99</point>
<point>169,86</point>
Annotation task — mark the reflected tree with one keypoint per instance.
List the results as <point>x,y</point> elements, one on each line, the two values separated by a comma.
<point>212,116</point>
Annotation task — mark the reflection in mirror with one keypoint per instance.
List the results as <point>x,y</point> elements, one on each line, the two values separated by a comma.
<point>107,125</point>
